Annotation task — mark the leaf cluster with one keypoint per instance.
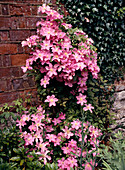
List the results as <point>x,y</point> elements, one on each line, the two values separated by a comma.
<point>113,155</point>
<point>106,27</point>
<point>100,95</point>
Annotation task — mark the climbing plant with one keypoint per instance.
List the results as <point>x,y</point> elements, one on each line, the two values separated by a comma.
<point>103,21</point>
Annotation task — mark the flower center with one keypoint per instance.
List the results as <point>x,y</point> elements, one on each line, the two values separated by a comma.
<point>51,100</point>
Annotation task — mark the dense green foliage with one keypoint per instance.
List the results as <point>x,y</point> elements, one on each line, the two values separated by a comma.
<point>105,27</point>
<point>99,94</point>
<point>13,154</point>
<point>114,155</point>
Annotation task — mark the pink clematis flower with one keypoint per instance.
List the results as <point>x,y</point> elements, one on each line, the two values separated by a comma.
<point>81,99</point>
<point>45,81</point>
<point>52,100</point>
<point>51,70</point>
<point>56,121</point>
<point>67,132</point>
<point>76,124</point>
<point>62,163</point>
<point>51,137</point>
<point>88,107</point>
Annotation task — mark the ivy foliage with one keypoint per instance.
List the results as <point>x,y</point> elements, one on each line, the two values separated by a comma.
<point>106,27</point>
<point>99,94</point>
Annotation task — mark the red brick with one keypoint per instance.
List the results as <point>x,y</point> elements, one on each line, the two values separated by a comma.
<point>16,9</point>
<point>19,59</point>
<point>5,72</point>
<point>9,86</point>
<point>5,10</point>
<point>21,22</point>
<point>9,72</point>
<point>21,72</point>
<point>17,84</point>
<point>27,10</point>
<point>7,23</point>
<point>19,35</point>
<point>27,49</point>
<point>0,9</point>
<point>6,61</point>
<point>4,35</point>
<point>34,10</point>
<point>31,22</point>
<point>13,23</point>
<point>1,61</point>
<point>2,85</point>
<point>20,49</point>
<point>8,48</point>
<point>15,72</point>
<point>8,97</point>
<point>4,23</point>
<point>33,1</point>
<point>7,1</point>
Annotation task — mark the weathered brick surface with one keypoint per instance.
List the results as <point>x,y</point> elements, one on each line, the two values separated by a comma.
<point>21,22</point>
<point>2,85</point>
<point>34,10</point>
<point>19,59</point>
<point>5,9</point>
<point>27,49</point>
<point>0,9</point>
<point>20,49</point>
<point>17,22</point>
<point>13,23</point>
<point>4,23</point>
<point>5,85</point>
<point>8,48</point>
<point>8,97</point>
<point>6,61</point>
<point>9,72</point>
<point>16,9</point>
<point>17,83</point>
<point>9,85</point>
<point>4,35</point>
<point>1,61</point>
<point>19,35</point>
<point>31,22</point>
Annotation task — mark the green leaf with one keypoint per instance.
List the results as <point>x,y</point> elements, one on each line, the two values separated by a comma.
<point>16,150</point>
<point>21,162</point>
<point>7,115</point>
<point>107,166</point>
<point>15,158</point>
<point>2,120</point>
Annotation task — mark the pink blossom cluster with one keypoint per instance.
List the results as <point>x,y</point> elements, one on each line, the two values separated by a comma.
<point>39,131</point>
<point>58,56</point>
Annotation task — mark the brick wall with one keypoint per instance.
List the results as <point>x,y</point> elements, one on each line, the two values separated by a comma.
<point>17,21</point>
